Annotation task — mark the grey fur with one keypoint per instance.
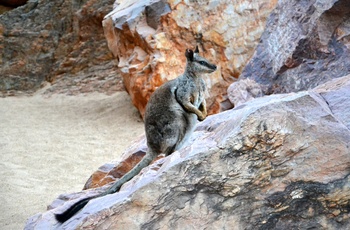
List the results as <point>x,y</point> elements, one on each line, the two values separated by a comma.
<point>170,117</point>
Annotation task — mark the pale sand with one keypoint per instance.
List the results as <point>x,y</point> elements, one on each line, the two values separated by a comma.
<point>50,146</point>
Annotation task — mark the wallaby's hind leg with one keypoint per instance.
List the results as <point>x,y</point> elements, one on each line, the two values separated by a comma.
<point>164,137</point>
<point>183,134</point>
<point>182,141</point>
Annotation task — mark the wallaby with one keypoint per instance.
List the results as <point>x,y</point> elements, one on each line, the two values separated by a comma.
<point>170,117</point>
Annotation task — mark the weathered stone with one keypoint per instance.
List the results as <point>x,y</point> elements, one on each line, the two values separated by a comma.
<point>244,90</point>
<point>306,43</point>
<point>57,41</point>
<point>336,95</point>
<point>276,162</point>
<point>149,38</point>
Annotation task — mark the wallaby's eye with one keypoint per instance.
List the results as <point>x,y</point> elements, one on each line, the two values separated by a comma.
<point>202,62</point>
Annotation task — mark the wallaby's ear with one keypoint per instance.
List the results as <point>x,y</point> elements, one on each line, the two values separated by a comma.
<point>189,54</point>
<point>196,50</point>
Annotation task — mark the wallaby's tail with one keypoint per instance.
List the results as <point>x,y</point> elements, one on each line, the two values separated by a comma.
<point>146,160</point>
<point>72,210</point>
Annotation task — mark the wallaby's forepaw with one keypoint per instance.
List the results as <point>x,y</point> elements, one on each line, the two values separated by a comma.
<point>202,108</point>
<point>201,117</point>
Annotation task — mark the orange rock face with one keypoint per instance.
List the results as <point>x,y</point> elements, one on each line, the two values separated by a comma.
<point>149,38</point>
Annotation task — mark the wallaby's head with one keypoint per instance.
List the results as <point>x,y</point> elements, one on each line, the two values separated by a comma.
<point>197,63</point>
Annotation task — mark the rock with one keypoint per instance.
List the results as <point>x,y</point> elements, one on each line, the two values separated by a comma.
<point>275,162</point>
<point>149,38</point>
<point>244,90</point>
<point>336,96</point>
<point>305,44</point>
<point>57,41</point>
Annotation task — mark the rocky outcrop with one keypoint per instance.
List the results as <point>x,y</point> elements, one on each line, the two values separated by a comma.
<point>306,43</point>
<point>57,41</point>
<point>275,162</point>
<point>149,38</point>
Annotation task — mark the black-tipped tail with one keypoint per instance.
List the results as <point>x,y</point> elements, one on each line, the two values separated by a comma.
<point>66,215</point>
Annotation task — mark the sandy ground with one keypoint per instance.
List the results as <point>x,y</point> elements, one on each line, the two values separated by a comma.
<point>50,146</point>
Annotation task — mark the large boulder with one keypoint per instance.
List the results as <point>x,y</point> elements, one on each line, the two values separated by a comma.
<point>57,41</point>
<point>305,44</point>
<point>149,38</point>
<point>275,162</point>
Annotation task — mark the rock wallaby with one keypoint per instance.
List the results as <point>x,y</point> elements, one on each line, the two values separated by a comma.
<point>170,117</point>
